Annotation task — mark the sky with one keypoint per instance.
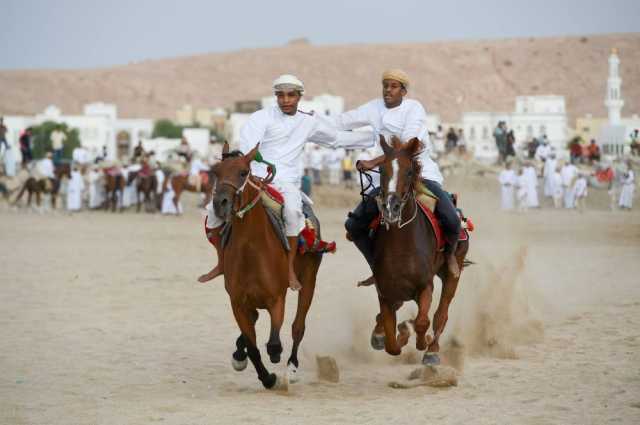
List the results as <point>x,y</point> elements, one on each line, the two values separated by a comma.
<point>91,34</point>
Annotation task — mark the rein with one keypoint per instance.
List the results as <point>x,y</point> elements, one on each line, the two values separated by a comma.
<point>409,194</point>
<point>238,191</point>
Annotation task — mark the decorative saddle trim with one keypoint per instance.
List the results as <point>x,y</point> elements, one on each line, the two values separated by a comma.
<point>309,239</point>
<point>427,202</point>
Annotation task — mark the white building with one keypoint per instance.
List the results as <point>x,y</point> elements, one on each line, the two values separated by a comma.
<point>534,116</point>
<point>614,135</point>
<point>98,126</point>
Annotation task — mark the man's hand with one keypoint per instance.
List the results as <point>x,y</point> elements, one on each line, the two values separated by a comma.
<point>363,165</point>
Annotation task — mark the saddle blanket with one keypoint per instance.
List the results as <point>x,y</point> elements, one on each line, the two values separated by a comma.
<point>309,239</point>
<point>435,224</point>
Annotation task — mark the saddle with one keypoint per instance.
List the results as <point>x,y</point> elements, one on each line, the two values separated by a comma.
<point>309,239</point>
<point>113,171</point>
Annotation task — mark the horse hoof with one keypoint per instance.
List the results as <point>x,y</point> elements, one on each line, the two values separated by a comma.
<point>239,365</point>
<point>270,381</point>
<point>274,358</point>
<point>377,341</point>
<point>292,373</point>
<point>431,359</point>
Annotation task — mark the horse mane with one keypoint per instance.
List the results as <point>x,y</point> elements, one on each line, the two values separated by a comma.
<point>233,154</point>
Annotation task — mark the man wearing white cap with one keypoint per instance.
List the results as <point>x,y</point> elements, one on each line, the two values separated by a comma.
<point>282,131</point>
<point>395,115</point>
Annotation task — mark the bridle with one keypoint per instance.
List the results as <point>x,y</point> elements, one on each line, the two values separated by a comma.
<point>409,194</point>
<point>259,186</point>
<point>379,199</point>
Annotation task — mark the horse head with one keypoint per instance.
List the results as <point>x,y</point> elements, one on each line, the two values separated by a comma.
<point>231,176</point>
<point>399,175</point>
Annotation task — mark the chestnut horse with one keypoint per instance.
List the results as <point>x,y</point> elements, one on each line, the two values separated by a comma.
<point>255,266</point>
<point>44,185</point>
<point>407,257</point>
<point>114,184</point>
<point>146,186</point>
<point>180,182</point>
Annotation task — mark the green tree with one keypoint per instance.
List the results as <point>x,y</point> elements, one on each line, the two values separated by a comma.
<point>42,139</point>
<point>166,128</point>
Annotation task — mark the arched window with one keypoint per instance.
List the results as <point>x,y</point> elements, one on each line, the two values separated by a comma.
<point>543,130</point>
<point>485,132</point>
<point>472,133</point>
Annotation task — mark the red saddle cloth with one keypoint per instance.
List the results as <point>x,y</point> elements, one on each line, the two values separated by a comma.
<point>274,194</point>
<point>113,171</point>
<point>435,224</point>
<point>204,177</point>
<point>308,239</point>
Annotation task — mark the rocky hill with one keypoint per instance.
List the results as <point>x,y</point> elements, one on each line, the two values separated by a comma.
<point>449,77</point>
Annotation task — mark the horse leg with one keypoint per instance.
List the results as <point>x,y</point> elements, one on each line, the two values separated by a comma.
<point>243,318</point>
<point>274,345</point>
<point>377,336</point>
<point>421,323</point>
<point>449,286</point>
<point>305,297</point>
<point>389,323</point>
<point>137,200</point>
<point>239,357</point>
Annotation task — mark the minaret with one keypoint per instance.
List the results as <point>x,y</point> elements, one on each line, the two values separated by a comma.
<point>613,100</point>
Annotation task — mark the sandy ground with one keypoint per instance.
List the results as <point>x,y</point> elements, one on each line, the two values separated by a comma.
<point>103,323</point>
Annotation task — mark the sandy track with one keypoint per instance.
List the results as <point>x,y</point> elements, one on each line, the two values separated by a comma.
<point>103,323</point>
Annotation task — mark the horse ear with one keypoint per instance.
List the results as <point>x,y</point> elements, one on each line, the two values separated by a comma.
<point>251,155</point>
<point>395,142</point>
<point>225,148</point>
<point>388,150</point>
<point>414,146</point>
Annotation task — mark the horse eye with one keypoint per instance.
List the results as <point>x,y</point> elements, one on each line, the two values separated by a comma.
<point>410,173</point>
<point>244,173</point>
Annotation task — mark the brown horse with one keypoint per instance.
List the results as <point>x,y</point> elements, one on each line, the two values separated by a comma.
<point>114,184</point>
<point>256,268</point>
<point>180,182</point>
<point>44,185</point>
<point>147,185</point>
<point>407,257</point>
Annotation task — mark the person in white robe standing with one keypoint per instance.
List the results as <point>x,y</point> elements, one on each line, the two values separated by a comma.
<point>96,188</point>
<point>569,174</point>
<point>507,179</point>
<point>9,160</point>
<point>335,165</point>
<point>547,173</point>
<point>74,191</point>
<point>532,186</point>
<point>581,192</point>
<point>628,187</point>
<point>558,190</point>
<point>522,183</point>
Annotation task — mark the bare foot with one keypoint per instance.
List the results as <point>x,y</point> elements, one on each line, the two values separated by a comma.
<point>294,284</point>
<point>371,280</point>
<point>215,272</point>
